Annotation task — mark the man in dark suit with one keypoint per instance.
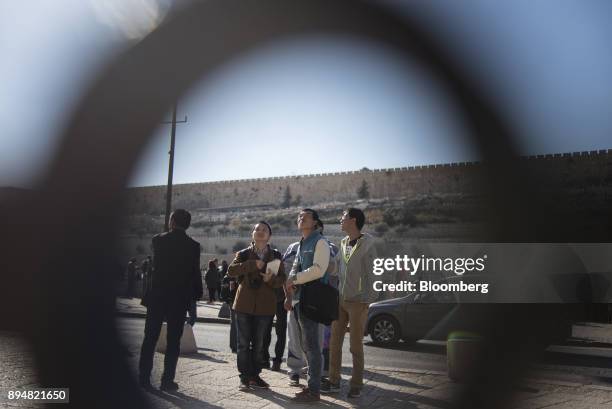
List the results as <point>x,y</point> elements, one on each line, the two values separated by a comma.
<point>176,280</point>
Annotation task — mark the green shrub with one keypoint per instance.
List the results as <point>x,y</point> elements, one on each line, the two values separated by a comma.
<point>401,230</point>
<point>243,228</point>
<point>381,228</point>
<point>239,245</point>
<point>389,218</point>
<point>407,217</point>
<point>221,250</point>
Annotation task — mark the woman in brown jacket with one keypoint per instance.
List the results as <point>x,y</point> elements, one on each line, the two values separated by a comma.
<point>255,302</point>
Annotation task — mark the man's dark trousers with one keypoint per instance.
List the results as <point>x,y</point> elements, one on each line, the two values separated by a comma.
<point>251,332</point>
<point>281,334</point>
<point>174,314</point>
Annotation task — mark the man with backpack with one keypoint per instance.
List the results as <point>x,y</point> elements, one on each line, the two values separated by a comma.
<point>295,354</point>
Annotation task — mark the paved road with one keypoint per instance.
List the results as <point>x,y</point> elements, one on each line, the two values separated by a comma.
<point>216,337</point>
<point>210,378</point>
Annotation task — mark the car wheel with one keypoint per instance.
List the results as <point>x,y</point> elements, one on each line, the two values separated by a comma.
<point>385,330</point>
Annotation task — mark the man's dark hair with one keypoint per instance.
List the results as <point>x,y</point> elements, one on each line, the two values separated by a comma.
<point>320,225</point>
<point>266,223</point>
<point>315,215</point>
<point>182,218</point>
<point>358,215</point>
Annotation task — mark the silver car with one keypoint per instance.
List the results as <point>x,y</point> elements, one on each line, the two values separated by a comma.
<point>413,316</point>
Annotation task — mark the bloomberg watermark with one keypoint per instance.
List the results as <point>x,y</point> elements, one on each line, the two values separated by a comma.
<point>496,272</point>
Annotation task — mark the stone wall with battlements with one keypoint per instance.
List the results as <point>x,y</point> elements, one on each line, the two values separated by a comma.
<point>569,169</point>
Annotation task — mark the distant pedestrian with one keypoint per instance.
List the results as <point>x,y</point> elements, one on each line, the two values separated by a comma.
<point>295,353</point>
<point>175,283</point>
<point>223,268</point>
<point>212,280</point>
<point>255,302</point>
<point>332,272</point>
<point>221,273</point>
<point>145,266</point>
<point>280,328</point>
<point>145,269</point>
<point>131,271</point>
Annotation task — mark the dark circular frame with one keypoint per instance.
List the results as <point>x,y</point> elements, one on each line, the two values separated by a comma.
<point>70,223</point>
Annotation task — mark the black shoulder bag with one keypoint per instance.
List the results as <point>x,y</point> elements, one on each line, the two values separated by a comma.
<point>319,302</point>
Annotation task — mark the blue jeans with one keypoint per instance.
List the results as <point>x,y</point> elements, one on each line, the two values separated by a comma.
<point>251,331</point>
<point>310,336</point>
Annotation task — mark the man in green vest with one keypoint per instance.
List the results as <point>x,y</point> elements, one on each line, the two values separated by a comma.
<point>356,293</point>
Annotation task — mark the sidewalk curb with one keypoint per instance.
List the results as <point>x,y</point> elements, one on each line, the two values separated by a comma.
<point>578,350</point>
<point>584,382</point>
<point>199,319</point>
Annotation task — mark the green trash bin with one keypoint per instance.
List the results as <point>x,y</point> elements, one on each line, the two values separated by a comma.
<point>465,352</point>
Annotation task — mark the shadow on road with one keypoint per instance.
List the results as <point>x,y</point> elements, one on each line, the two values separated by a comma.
<point>286,402</point>
<point>371,397</point>
<point>181,400</point>
<point>208,349</point>
<point>203,357</point>
<point>381,377</point>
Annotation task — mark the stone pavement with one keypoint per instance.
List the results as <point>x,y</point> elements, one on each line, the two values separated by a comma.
<point>130,307</point>
<point>209,379</point>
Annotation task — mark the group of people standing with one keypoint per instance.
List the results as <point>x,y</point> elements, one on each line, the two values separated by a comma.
<point>261,282</point>
<point>262,294</point>
<point>135,273</point>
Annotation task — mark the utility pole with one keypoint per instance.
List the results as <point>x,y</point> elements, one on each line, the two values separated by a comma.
<point>171,166</point>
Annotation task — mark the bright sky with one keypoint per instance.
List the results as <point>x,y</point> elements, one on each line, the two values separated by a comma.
<point>317,104</point>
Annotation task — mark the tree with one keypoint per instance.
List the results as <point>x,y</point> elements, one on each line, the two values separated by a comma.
<point>389,218</point>
<point>298,200</point>
<point>408,218</point>
<point>363,192</point>
<point>287,197</point>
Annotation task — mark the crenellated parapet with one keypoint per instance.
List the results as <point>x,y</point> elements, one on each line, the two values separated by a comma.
<point>456,177</point>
